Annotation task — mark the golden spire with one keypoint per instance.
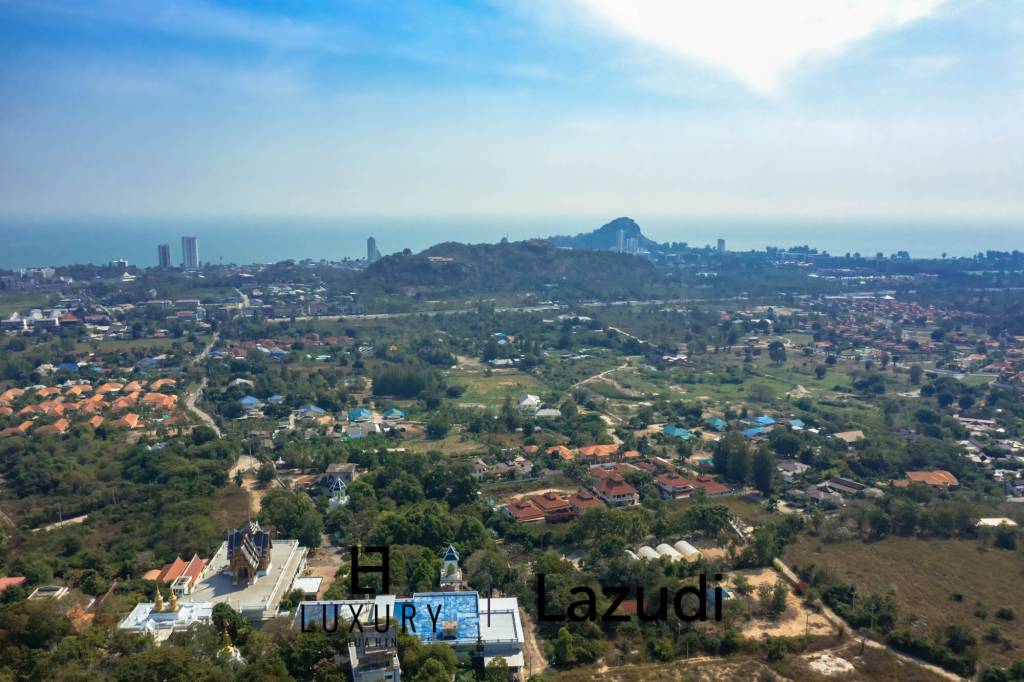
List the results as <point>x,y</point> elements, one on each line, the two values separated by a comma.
<point>158,605</point>
<point>225,640</point>
<point>173,606</point>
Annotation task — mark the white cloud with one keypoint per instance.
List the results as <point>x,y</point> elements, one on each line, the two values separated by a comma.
<point>758,42</point>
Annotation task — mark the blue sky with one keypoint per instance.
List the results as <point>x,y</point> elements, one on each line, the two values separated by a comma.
<point>795,108</point>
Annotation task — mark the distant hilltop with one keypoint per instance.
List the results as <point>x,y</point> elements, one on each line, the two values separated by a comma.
<point>606,237</point>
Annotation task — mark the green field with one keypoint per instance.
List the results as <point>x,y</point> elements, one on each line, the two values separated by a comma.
<point>925,574</point>
<point>17,302</point>
<point>491,390</point>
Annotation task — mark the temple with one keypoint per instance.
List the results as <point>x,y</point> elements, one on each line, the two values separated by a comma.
<point>249,553</point>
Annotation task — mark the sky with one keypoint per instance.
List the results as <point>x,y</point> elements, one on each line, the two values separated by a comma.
<point>793,108</point>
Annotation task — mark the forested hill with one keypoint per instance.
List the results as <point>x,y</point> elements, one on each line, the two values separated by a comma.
<point>514,266</point>
<point>606,237</point>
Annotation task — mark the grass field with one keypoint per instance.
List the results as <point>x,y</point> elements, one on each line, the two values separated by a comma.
<point>12,303</point>
<point>491,390</point>
<point>751,512</point>
<point>924,574</point>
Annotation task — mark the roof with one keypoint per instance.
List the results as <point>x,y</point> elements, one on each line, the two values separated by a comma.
<point>677,431</point>
<point>562,451</point>
<point>598,450</point>
<point>850,436</point>
<point>11,582</point>
<point>583,500</point>
<point>524,511</point>
<point>717,423</point>
<point>937,477</point>
<point>550,502</point>
<point>614,486</point>
<point>765,420</point>
<point>753,432</point>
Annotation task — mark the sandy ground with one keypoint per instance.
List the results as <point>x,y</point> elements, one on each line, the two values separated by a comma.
<point>324,562</point>
<point>561,491</point>
<point>533,647</point>
<point>243,463</point>
<point>828,664</point>
<point>797,619</point>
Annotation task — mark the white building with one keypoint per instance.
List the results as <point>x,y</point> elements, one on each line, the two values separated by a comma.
<point>160,620</point>
<point>190,253</point>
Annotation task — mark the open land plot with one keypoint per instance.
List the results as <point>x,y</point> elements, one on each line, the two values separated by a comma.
<point>796,621</point>
<point>925,574</point>
<point>492,390</point>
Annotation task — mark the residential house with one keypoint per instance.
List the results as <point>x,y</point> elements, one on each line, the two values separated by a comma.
<point>791,469</point>
<point>524,511</point>
<point>616,492</point>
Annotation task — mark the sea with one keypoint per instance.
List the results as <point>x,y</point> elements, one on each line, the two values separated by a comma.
<point>38,242</point>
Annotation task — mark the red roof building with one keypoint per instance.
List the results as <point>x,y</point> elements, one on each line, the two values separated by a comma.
<point>524,511</point>
<point>615,492</point>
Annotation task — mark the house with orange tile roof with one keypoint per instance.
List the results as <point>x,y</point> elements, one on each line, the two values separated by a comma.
<point>181,575</point>
<point>12,394</point>
<point>159,401</point>
<point>160,383</point>
<point>19,430</point>
<point>616,492</point>
<point>563,452</point>
<point>57,428</point>
<point>28,409</point>
<point>110,387</point>
<point>47,391</point>
<point>938,478</point>
<point>95,421</point>
<point>78,389</point>
<point>524,511</point>
<point>134,386</point>
<point>582,501</point>
<point>6,411</point>
<point>129,421</point>
<point>555,507</point>
<point>598,451</point>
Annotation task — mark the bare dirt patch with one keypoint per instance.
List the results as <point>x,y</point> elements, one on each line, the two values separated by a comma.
<point>795,622</point>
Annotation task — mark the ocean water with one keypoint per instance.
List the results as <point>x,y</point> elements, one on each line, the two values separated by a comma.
<point>28,243</point>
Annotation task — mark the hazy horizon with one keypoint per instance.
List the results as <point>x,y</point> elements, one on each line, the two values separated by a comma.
<point>254,240</point>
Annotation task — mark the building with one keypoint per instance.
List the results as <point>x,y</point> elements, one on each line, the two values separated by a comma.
<point>721,245</point>
<point>190,253</point>
<point>451,579</point>
<point>181,575</point>
<point>616,492</point>
<point>620,241</point>
<point>159,619</point>
<point>250,573</point>
<point>524,511</point>
<point>372,254</point>
<point>249,552</point>
<point>463,620</point>
<point>938,478</point>
<point>163,255</point>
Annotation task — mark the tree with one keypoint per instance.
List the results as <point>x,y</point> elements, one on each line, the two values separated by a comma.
<point>777,352</point>
<point>916,371</point>
<point>293,515</point>
<point>203,434</point>
<point>438,426</point>
<point>764,470</point>
<point>820,371</point>
<point>496,671</point>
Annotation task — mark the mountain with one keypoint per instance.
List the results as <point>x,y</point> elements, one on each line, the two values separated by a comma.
<point>606,237</point>
<point>535,265</point>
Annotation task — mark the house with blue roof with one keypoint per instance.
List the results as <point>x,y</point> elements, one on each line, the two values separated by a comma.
<point>68,366</point>
<point>311,411</point>
<point>797,424</point>
<point>359,414</point>
<point>717,423</point>
<point>753,432</point>
<point>275,399</point>
<point>676,432</point>
<point>764,420</point>
<point>394,415</point>
<point>250,403</point>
